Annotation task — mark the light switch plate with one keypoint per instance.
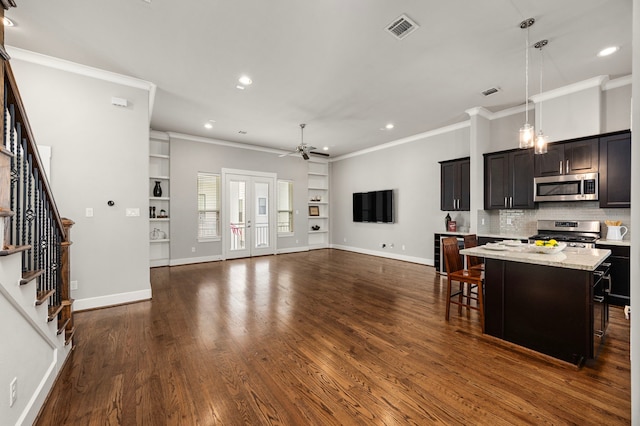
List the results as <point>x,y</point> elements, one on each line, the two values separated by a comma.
<point>132,212</point>
<point>88,212</point>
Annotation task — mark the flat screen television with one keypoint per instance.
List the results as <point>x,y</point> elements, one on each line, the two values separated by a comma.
<point>374,206</point>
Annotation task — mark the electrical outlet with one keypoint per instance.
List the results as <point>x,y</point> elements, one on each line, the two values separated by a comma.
<point>483,220</point>
<point>74,285</point>
<point>13,391</point>
<point>508,221</point>
<point>383,245</point>
<point>193,249</point>
<point>391,245</point>
<point>88,212</point>
<point>403,247</point>
<point>345,240</point>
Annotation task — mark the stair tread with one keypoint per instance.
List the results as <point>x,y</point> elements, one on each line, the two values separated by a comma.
<point>68,335</point>
<point>6,213</point>
<point>54,311</point>
<point>62,327</point>
<point>29,276</point>
<point>13,249</point>
<point>43,295</point>
<point>67,302</point>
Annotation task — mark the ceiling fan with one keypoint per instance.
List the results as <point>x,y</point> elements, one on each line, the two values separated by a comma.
<point>303,149</point>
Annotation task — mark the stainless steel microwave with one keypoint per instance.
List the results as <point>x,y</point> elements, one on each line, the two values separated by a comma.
<point>579,187</point>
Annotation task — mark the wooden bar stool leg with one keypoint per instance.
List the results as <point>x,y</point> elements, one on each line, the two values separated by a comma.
<point>460,295</point>
<point>446,315</point>
<point>481,305</point>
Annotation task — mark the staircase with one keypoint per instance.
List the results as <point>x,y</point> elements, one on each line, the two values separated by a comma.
<point>36,308</point>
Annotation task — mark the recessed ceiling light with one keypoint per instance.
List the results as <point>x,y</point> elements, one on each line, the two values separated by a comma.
<point>326,148</point>
<point>245,80</point>
<point>608,51</point>
<point>7,22</point>
<point>209,124</point>
<point>240,87</point>
<point>389,126</point>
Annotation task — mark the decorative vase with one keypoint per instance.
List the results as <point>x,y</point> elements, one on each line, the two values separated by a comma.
<point>157,190</point>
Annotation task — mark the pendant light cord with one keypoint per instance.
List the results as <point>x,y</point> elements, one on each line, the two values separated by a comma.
<point>526,77</point>
<point>541,69</point>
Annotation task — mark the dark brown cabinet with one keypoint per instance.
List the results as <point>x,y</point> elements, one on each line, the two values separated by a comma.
<point>568,158</point>
<point>620,273</point>
<point>455,184</point>
<point>615,170</point>
<point>508,180</point>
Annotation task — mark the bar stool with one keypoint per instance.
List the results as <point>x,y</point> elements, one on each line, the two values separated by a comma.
<point>464,277</point>
<point>473,262</point>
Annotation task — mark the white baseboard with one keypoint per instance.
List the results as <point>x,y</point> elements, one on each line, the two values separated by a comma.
<point>292,250</point>
<point>412,259</point>
<point>111,299</point>
<point>190,260</point>
<point>38,398</point>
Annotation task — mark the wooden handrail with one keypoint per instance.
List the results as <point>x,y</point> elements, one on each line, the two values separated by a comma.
<point>13,97</point>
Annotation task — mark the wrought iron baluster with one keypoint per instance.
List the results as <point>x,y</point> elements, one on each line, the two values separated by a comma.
<point>29,213</point>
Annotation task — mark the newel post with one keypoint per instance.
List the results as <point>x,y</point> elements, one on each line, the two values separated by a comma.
<point>66,315</point>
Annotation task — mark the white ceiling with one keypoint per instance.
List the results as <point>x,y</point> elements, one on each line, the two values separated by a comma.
<point>327,63</point>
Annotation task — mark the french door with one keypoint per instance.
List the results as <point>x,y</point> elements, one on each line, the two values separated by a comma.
<point>249,228</point>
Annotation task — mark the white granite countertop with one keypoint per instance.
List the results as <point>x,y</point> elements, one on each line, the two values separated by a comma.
<point>570,257</point>
<point>624,243</point>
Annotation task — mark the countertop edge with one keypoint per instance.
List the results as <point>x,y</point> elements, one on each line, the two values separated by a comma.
<point>570,259</point>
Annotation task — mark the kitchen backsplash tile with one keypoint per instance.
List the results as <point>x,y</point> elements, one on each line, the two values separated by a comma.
<point>524,222</point>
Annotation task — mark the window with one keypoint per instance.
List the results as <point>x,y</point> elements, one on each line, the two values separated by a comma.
<point>285,207</point>
<point>208,206</point>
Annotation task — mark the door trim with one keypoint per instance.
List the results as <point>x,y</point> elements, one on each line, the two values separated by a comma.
<point>225,208</point>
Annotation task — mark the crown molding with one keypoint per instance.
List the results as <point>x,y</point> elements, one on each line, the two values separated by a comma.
<point>430,133</point>
<point>85,70</point>
<point>618,82</point>
<point>192,138</point>
<point>481,111</point>
<point>590,83</point>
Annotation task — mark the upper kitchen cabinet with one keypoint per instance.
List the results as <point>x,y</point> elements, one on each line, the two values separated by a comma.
<point>568,158</point>
<point>455,184</point>
<point>615,170</point>
<point>508,180</point>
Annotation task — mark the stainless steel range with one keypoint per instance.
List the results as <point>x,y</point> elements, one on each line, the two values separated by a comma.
<point>583,233</point>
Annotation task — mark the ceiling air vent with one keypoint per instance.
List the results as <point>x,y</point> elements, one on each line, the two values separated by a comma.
<point>401,27</point>
<point>490,91</point>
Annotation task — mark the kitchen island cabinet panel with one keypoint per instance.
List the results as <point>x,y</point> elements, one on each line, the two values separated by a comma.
<point>547,309</point>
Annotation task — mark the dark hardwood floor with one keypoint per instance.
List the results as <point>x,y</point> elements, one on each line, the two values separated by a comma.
<point>325,337</point>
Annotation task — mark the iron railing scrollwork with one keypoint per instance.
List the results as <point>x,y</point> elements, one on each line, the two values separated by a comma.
<point>35,221</point>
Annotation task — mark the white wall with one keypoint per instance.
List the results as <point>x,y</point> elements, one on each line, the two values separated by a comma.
<point>412,171</point>
<point>191,155</point>
<point>635,220</point>
<point>99,153</point>
<point>617,108</point>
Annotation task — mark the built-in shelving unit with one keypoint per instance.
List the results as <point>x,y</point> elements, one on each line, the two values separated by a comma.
<point>159,207</point>
<point>318,200</point>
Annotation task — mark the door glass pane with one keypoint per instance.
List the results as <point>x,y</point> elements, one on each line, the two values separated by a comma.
<point>261,203</point>
<point>237,214</point>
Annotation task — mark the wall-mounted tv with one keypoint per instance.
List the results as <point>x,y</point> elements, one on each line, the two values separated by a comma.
<point>374,206</point>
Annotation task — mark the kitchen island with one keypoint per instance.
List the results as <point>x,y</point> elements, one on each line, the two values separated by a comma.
<point>545,302</point>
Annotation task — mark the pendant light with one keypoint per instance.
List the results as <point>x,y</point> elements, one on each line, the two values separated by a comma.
<point>541,140</point>
<point>527,131</point>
